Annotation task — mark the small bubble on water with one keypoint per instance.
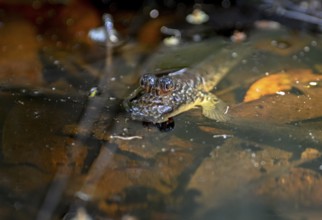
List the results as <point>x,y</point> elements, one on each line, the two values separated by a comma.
<point>154,13</point>
<point>171,41</point>
<point>279,139</point>
<point>311,135</point>
<point>313,83</point>
<point>197,17</point>
<point>196,37</point>
<point>224,136</point>
<point>20,102</point>
<point>306,49</point>
<point>234,54</point>
<point>280,93</point>
<point>36,114</point>
<point>314,43</point>
<point>256,164</point>
<point>320,167</point>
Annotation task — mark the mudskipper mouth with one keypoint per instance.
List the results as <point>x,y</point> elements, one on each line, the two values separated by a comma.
<point>154,114</point>
<point>153,101</point>
<point>147,107</point>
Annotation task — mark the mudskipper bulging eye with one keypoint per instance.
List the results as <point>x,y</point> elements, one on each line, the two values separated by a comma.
<point>166,84</point>
<point>148,82</point>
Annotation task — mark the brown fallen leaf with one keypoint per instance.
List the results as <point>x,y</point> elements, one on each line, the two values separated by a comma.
<point>268,85</point>
<point>282,81</point>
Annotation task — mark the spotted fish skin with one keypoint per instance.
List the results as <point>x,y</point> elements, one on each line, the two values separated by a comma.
<point>191,88</point>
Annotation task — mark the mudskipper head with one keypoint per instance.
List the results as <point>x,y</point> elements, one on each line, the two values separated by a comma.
<point>156,99</point>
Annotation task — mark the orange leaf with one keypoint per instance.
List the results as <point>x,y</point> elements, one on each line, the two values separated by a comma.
<point>268,85</point>
<point>281,81</point>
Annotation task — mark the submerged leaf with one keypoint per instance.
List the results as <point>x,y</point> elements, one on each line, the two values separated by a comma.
<point>282,81</point>
<point>268,85</point>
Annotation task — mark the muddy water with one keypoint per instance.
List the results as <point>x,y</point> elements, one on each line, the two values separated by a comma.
<point>64,154</point>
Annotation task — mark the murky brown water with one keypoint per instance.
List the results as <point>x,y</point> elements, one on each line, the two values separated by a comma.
<point>65,155</point>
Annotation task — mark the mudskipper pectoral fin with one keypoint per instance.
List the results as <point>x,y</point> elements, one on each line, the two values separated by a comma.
<point>214,108</point>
